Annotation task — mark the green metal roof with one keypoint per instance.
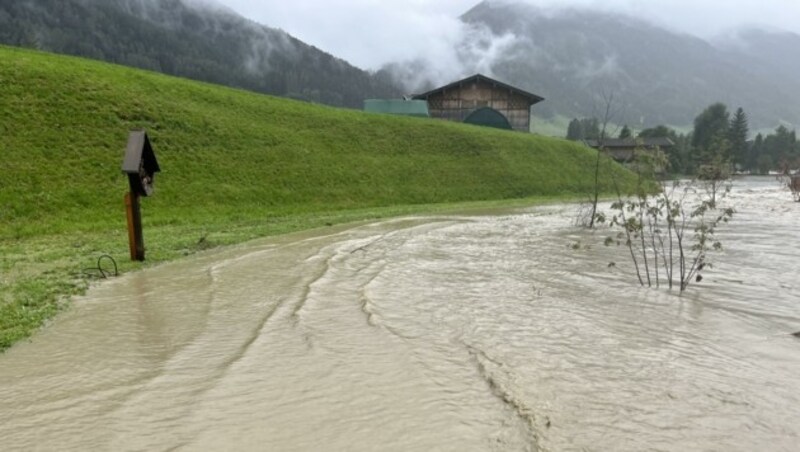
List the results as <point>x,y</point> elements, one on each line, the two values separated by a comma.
<point>397,107</point>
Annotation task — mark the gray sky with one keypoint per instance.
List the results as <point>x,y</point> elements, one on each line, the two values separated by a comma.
<point>369,33</point>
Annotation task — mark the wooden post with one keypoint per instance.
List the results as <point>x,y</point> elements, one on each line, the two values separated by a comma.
<point>135,237</point>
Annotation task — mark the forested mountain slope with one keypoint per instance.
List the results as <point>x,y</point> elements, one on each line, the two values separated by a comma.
<point>189,39</point>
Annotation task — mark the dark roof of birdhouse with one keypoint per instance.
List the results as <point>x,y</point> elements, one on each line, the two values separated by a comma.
<point>533,98</point>
<point>139,150</point>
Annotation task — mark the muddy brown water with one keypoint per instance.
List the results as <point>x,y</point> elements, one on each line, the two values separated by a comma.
<point>458,333</point>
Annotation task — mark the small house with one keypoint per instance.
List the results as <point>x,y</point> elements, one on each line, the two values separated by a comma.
<point>622,149</point>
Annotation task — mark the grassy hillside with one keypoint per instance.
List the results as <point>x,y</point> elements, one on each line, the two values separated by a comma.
<point>235,165</point>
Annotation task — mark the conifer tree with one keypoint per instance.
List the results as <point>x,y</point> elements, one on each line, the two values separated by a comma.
<point>575,130</point>
<point>737,136</point>
<point>755,159</point>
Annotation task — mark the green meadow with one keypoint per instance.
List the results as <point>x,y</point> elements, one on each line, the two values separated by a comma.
<point>235,166</point>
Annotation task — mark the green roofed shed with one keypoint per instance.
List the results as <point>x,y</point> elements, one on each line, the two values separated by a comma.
<point>397,107</point>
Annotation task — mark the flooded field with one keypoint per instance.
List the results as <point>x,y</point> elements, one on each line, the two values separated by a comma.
<point>483,332</point>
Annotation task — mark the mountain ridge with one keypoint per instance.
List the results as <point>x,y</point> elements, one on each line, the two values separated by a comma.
<point>660,76</point>
<point>574,57</point>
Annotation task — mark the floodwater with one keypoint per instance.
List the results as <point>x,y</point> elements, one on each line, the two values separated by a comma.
<point>483,332</point>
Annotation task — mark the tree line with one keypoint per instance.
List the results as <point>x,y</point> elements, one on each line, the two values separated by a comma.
<point>717,136</point>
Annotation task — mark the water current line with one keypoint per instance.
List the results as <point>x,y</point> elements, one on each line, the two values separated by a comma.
<point>482,361</point>
<point>222,368</point>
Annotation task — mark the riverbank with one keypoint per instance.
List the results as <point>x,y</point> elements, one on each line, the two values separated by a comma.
<point>235,166</point>
<point>41,273</point>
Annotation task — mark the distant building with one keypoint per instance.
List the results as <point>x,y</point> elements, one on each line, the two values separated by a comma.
<point>483,101</point>
<point>403,107</point>
<point>622,149</point>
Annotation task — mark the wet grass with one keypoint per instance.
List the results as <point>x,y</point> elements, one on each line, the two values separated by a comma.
<point>235,166</point>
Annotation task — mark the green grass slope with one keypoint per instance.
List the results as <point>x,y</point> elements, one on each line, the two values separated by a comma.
<point>235,165</point>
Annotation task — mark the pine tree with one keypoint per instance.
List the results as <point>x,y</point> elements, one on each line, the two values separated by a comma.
<point>754,158</point>
<point>625,132</point>
<point>737,136</point>
<point>780,147</point>
<point>575,130</point>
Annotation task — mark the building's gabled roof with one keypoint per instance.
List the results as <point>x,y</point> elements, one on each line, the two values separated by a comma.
<point>533,98</point>
<point>612,143</point>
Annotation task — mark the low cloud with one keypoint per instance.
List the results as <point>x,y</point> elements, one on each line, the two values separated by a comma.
<point>423,42</point>
<point>371,33</point>
<point>473,49</point>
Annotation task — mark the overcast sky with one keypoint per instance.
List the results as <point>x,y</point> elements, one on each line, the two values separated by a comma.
<point>369,33</point>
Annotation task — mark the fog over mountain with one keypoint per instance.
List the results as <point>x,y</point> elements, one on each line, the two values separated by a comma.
<point>371,33</point>
<point>199,39</point>
<point>573,57</point>
<point>569,55</point>
<point>669,67</point>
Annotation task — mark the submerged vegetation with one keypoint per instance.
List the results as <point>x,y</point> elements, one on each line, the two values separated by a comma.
<point>669,233</point>
<point>668,230</point>
<point>235,166</point>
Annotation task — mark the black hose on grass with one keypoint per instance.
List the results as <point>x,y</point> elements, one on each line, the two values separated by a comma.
<point>99,269</point>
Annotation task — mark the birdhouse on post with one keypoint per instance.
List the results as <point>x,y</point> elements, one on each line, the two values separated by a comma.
<point>140,165</point>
